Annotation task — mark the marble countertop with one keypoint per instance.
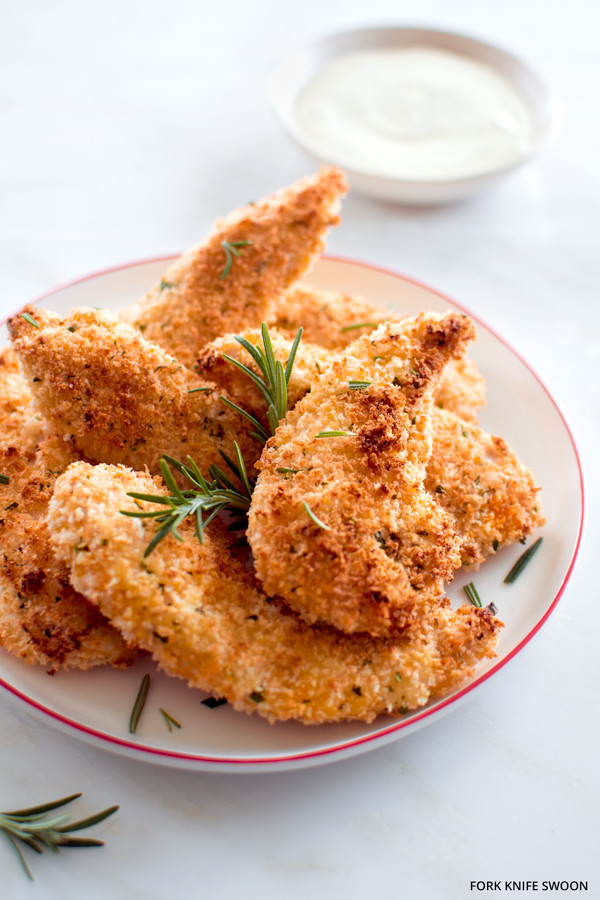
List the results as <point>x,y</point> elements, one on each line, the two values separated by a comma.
<point>127,128</point>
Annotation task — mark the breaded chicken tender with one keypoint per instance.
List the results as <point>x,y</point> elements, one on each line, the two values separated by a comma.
<point>334,320</point>
<point>460,387</point>
<point>479,480</point>
<point>340,523</point>
<point>328,318</point>
<point>42,618</point>
<point>231,280</point>
<point>117,398</point>
<point>198,610</point>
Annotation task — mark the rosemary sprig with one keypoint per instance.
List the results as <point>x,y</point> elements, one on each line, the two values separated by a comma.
<point>30,319</point>
<point>36,830</point>
<point>4,479</point>
<point>138,706</point>
<point>471,592</point>
<point>522,561</point>
<point>273,385</point>
<point>231,250</point>
<point>204,501</point>
<point>314,518</point>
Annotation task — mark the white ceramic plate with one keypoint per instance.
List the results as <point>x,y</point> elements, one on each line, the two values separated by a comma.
<point>295,71</point>
<point>96,705</point>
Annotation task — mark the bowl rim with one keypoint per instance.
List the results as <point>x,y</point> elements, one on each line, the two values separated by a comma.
<point>313,55</point>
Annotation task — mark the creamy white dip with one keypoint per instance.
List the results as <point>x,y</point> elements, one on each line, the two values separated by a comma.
<point>415,113</point>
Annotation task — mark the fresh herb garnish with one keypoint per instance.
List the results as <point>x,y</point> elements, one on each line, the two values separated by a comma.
<point>138,706</point>
<point>471,592</point>
<point>287,470</point>
<point>195,390</point>
<point>328,434</point>
<point>273,385</point>
<point>206,497</point>
<point>231,250</point>
<point>314,518</point>
<point>4,479</point>
<point>36,830</point>
<point>30,319</point>
<point>170,721</point>
<point>522,561</point>
<point>360,325</point>
<point>359,385</point>
<point>165,286</point>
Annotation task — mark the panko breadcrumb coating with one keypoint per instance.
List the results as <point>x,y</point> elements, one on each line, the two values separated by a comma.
<point>478,479</point>
<point>42,618</point>
<point>214,289</point>
<point>117,398</point>
<point>334,320</point>
<point>198,610</point>
<point>475,477</point>
<point>381,547</point>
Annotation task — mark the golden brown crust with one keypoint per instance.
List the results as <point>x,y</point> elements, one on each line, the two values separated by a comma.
<point>193,303</point>
<point>117,398</point>
<point>334,320</point>
<point>388,546</point>
<point>198,610</point>
<point>42,619</point>
<point>478,479</point>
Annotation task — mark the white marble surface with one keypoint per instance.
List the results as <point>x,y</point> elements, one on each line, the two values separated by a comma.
<point>127,127</point>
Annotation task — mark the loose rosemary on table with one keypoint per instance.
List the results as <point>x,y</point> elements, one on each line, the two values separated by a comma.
<point>34,829</point>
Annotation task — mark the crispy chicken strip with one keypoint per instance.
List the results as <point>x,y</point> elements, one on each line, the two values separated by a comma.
<point>117,398</point>
<point>232,279</point>
<point>334,320</point>
<point>474,476</point>
<point>198,610</point>
<point>42,619</point>
<point>341,526</point>
<point>479,480</point>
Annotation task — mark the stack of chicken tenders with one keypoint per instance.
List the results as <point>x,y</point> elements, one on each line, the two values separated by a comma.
<point>373,490</point>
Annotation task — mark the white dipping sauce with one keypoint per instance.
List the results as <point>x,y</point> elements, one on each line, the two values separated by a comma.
<point>416,113</point>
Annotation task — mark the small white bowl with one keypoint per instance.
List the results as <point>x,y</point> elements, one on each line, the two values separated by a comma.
<point>293,74</point>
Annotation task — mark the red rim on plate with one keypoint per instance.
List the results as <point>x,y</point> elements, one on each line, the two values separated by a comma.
<point>344,747</point>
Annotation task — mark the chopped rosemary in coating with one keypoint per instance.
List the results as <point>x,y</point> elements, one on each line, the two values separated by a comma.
<point>231,250</point>
<point>360,325</point>
<point>522,561</point>
<point>314,518</point>
<point>327,434</point>
<point>30,319</point>
<point>359,385</point>
<point>36,830</point>
<point>4,479</point>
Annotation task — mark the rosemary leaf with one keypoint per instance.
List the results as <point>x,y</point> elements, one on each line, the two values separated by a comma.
<point>471,592</point>
<point>30,319</point>
<point>4,479</point>
<point>138,706</point>
<point>522,561</point>
<point>314,518</point>
<point>231,249</point>
<point>169,720</point>
<point>359,325</point>
<point>359,385</point>
<point>327,434</point>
